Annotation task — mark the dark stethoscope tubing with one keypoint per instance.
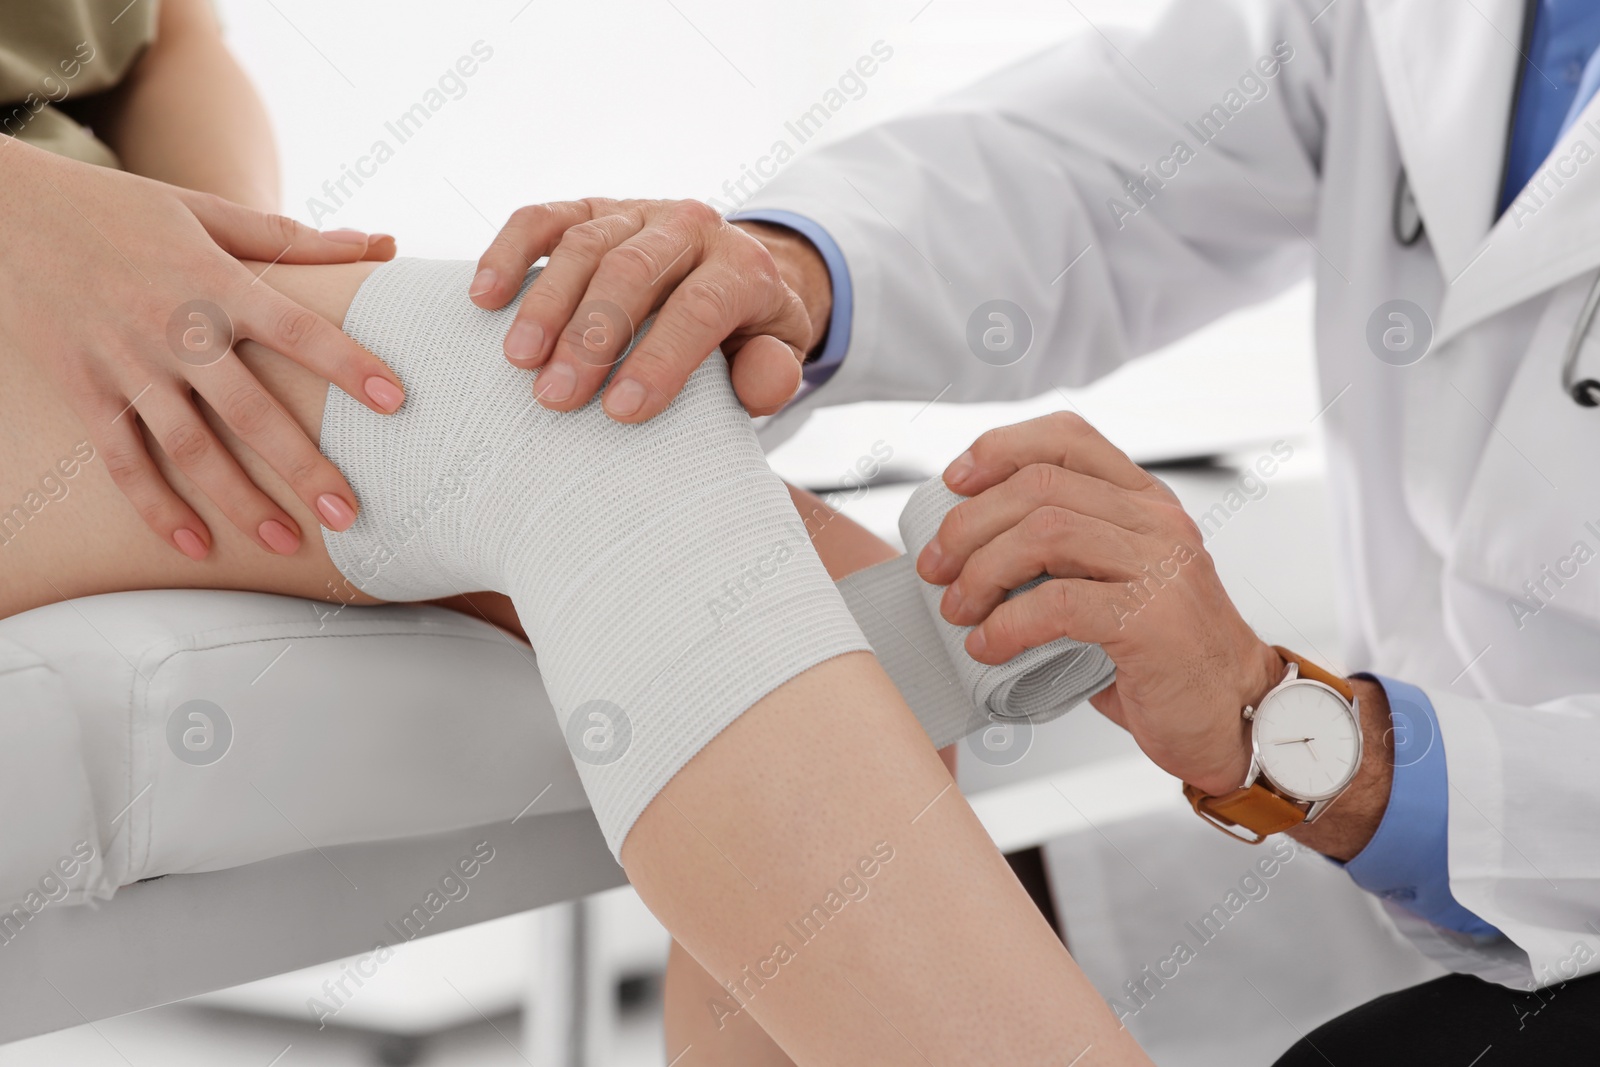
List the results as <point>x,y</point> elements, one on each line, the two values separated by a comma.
<point>1408,227</point>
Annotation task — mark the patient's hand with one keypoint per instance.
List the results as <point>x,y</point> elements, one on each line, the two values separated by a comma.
<point>761,292</point>
<point>116,285</point>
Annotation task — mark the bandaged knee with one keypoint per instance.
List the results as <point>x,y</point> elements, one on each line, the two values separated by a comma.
<point>660,570</point>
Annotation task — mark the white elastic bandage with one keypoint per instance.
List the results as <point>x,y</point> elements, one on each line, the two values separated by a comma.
<point>952,693</point>
<point>660,570</point>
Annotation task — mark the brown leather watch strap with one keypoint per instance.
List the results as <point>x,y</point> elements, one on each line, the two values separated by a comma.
<point>1255,808</point>
<point>1310,670</point>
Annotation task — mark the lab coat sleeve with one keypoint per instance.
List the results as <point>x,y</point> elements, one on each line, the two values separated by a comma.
<point>1120,189</point>
<point>1524,838</point>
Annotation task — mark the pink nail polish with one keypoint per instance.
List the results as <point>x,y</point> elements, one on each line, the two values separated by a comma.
<point>278,537</point>
<point>189,544</point>
<point>345,237</point>
<point>335,511</point>
<point>384,393</point>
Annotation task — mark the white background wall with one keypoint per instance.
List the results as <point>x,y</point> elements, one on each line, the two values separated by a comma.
<point>672,98</point>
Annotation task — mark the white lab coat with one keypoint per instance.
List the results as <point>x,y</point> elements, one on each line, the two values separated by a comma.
<point>1455,479</point>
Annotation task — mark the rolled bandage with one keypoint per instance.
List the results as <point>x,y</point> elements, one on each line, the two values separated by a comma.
<point>660,570</point>
<point>953,694</point>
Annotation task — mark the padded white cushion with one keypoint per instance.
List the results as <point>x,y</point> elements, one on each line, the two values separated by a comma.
<point>358,725</point>
<point>49,847</point>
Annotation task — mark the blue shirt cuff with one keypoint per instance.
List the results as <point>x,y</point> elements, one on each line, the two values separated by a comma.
<point>827,361</point>
<point>1408,859</point>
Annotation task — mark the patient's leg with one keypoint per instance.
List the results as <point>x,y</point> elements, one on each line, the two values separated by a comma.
<point>813,854</point>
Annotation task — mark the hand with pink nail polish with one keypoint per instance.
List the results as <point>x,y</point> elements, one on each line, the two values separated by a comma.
<point>131,293</point>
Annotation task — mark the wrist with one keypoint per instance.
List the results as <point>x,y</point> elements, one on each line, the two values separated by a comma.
<point>1351,820</point>
<point>802,269</point>
<point>1262,669</point>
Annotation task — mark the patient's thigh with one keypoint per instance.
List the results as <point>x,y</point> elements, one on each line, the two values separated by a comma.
<point>66,530</point>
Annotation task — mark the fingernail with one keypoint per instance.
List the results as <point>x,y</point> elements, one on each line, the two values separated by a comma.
<point>345,237</point>
<point>625,398</point>
<point>957,472</point>
<point>384,393</point>
<point>483,281</point>
<point>525,342</point>
<point>928,562</point>
<point>189,544</point>
<point>950,604</point>
<point>278,537</point>
<point>336,512</point>
<point>556,383</point>
<point>977,644</point>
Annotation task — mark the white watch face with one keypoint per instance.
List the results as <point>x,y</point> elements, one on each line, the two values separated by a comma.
<point>1306,741</point>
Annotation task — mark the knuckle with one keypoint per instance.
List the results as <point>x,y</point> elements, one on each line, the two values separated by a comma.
<point>300,468</point>
<point>127,466</point>
<point>632,261</point>
<point>248,410</point>
<point>154,512</point>
<point>281,228</point>
<point>1050,522</point>
<point>755,258</point>
<point>1055,601</point>
<point>294,325</point>
<point>1180,522</point>
<point>708,306</point>
<point>1067,422</point>
<point>587,239</point>
<point>526,218</point>
<point>697,215</point>
<point>1039,479</point>
<point>1006,622</point>
<point>188,444</point>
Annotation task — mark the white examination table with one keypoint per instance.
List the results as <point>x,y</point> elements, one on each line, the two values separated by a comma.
<point>371,752</point>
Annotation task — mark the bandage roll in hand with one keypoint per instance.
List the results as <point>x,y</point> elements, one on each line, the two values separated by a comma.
<point>953,694</point>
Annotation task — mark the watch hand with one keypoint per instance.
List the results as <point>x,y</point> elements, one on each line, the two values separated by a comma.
<point>1292,741</point>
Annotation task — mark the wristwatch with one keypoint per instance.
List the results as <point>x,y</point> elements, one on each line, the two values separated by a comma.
<point>1305,749</point>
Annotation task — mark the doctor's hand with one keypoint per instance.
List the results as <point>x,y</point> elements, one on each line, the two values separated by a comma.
<point>121,287</point>
<point>761,292</point>
<point>1130,573</point>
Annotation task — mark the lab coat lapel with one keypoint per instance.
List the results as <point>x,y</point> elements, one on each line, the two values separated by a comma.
<point>1448,69</point>
<point>1549,235</point>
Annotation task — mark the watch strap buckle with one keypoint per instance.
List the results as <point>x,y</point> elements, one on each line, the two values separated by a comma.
<point>1254,809</point>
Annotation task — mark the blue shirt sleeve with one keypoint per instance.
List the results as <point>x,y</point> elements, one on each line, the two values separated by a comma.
<point>1407,860</point>
<point>827,361</point>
